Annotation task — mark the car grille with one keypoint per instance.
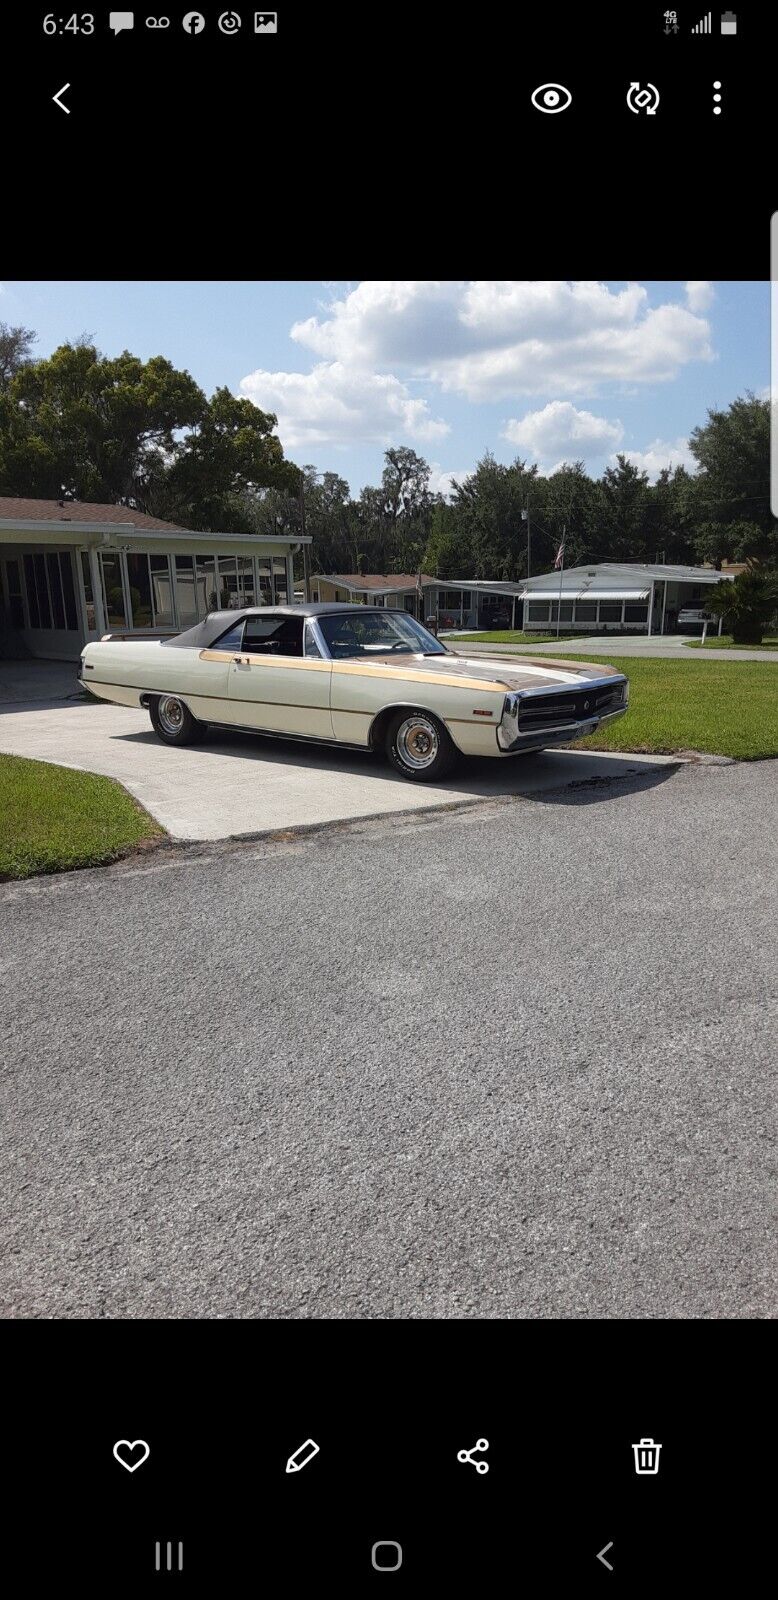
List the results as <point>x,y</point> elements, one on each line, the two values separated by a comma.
<point>573,705</point>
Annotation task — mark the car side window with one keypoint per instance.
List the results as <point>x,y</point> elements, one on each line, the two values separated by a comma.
<point>231,640</point>
<point>311,647</point>
<point>276,636</point>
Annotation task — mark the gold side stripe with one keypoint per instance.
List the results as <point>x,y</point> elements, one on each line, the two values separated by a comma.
<point>366,669</point>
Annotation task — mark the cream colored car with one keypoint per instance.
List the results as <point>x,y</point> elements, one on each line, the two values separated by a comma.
<point>353,675</point>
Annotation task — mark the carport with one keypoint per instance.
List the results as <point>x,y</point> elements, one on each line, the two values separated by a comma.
<point>71,571</point>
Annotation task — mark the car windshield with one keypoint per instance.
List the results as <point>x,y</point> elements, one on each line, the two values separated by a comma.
<point>377,633</point>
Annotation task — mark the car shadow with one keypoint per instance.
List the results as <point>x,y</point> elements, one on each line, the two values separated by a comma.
<point>588,775</point>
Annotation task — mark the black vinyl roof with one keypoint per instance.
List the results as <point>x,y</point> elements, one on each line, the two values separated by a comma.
<point>205,633</point>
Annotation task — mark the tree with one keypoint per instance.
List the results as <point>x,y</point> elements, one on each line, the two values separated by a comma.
<point>139,433</point>
<point>96,428</point>
<point>15,351</point>
<point>447,554</point>
<point>748,603</point>
<point>229,453</point>
<point>732,488</point>
<point>625,503</point>
<point>488,506</point>
<point>406,513</point>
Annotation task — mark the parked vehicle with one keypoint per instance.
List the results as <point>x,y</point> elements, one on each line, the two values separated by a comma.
<point>694,617</point>
<point>353,675</point>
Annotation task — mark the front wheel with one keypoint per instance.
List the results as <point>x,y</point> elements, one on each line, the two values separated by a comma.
<point>418,745</point>
<point>173,722</point>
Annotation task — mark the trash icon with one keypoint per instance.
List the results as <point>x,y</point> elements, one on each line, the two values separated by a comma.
<point>646,1457</point>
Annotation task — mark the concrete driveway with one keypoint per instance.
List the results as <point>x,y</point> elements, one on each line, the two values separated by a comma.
<point>671,647</point>
<point>238,784</point>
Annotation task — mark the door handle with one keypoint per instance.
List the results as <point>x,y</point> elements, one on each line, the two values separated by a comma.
<point>241,661</point>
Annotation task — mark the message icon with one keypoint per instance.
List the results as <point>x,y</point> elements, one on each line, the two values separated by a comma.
<point>118,20</point>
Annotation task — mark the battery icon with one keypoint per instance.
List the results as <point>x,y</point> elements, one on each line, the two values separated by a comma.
<point>728,22</point>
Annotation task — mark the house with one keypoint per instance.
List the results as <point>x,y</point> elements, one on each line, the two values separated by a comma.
<point>466,603</point>
<point>622,597</point>
<point>397,589</point>
<point>73,570</point>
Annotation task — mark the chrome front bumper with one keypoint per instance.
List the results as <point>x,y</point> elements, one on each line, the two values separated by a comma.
<point>512,739</point>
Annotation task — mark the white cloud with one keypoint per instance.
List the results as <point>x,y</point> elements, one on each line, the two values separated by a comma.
<point>334,404</point>
<point>700,294</point>
<point>491,340</point>
<point>443,482</point>
<point>560,429</point>
<point>659,455</point>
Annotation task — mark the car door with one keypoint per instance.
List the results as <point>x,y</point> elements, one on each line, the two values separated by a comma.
<point>275,685</point>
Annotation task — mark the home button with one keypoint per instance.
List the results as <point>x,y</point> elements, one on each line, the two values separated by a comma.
<point>387,1555</point>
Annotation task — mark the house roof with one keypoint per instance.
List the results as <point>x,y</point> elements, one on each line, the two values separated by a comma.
<point>13,509</point>
<point>619,577</point>
<point>365,582</point>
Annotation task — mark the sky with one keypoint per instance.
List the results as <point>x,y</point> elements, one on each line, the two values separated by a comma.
<point>547,371</point>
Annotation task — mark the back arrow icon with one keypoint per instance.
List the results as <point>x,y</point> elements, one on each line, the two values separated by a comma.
<point>57,100</point>
<point>602,1553</point>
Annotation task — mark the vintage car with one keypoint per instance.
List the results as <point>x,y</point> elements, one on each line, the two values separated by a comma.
<point>354,675</point>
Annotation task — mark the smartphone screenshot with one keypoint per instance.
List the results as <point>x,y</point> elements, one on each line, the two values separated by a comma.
<point>388,737</point>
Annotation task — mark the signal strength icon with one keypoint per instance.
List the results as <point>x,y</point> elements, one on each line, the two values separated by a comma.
<point>705,24</point>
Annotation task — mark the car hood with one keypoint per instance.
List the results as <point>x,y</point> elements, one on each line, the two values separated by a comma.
<point>515,672</point>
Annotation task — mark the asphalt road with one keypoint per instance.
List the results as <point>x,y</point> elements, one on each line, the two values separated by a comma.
<point>506,1062</point>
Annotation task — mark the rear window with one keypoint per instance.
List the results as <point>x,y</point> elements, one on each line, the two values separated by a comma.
<point>281,636</point>
<point>231,639</point>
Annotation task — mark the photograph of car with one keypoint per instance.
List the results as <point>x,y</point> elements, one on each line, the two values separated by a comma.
<point>354,675</point>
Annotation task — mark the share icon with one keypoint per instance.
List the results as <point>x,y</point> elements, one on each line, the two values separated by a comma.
<point>467,1455</point>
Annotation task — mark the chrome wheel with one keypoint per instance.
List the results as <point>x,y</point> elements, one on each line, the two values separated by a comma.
<point>417,742</point>
<point>171,715</point>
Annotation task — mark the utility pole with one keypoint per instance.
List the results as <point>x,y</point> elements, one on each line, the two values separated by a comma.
<point>525,518</point>
<point>525,603</point>
<point>306,589</point>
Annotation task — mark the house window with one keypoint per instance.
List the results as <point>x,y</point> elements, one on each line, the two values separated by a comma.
<point>610,612</point>
<point>586,610</point>
<point>207,597</point>
<point>537,611</point>
<point>86,574</point>
<point>113,589</point>
<point>161,591</point>
<point>186,594</point>
<point>279,581</point>
<point>265,596</point>
<point>637,613</point>
<point>13,583</point>
<point>245,566</point>
<point>565,610</point>
<point>68,590</point>
<point>140,590</point>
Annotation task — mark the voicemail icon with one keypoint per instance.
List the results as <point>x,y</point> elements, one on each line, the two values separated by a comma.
<point>266,22</point>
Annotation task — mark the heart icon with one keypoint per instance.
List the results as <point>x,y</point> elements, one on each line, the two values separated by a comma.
<point>124,1448</point>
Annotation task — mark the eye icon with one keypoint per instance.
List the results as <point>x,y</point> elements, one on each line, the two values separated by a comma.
<point>552,97</point>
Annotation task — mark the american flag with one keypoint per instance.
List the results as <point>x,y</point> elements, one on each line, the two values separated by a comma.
<point>560,557</point>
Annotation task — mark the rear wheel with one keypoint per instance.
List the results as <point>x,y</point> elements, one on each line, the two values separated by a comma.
<point>173,722</point>
<point>418,745</point>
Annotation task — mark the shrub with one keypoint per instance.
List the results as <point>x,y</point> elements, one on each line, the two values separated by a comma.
<point>747,604</point>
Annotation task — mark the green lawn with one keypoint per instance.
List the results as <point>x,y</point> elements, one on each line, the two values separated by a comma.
<point>507,638</point>
<point>727,708</point>
<point>726,642</point>
<point>52,819</point>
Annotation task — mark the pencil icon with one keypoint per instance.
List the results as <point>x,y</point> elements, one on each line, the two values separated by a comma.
<point>302,1456</point>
